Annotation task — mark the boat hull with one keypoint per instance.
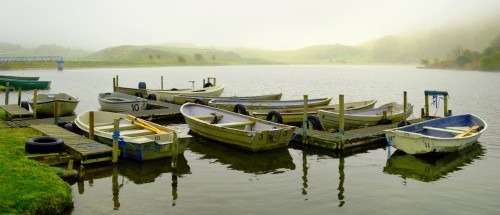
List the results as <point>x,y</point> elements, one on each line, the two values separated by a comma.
<point>118,102</point>
<point>415,139</point>
<point>181,99</point>
<point>142,147</point>
<point>168,95</point>
<point>46,104</point>
<point>330,120</point>
<point>261,135</point>
<point>255,105</point>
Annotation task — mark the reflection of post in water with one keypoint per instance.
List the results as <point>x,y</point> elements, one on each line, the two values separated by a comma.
<point>341,180</point>
<point>174,185</point>
<point>116,188</point>
<point>175,152</point>
<point>304,173</point>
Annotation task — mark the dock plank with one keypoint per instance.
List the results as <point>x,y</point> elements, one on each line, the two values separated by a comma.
<point>16,112</point>
<point>85,150</point>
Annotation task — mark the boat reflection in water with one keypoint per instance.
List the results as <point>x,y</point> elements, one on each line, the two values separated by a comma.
<point>136,172</point>
<point>272,161</point>
<point>428,168</point>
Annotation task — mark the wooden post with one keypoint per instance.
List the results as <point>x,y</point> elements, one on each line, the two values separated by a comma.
<point>35,102</point>
<point>115,140</point>
<point>426,105</point>
<point>384,114</point>
<point>70,164</point>
<point>404,106</point>
<point>56,112</point>
<point>449,113</point>
<point>422,113</point>
<point>175,151</point>
<point>446,106</point>
<point>19,96</point>
<point>341,120</point>
<point>304,120</point>
<point>7,93</point>
<point>162,82</point>
<point>114,85</point>
<point>117,81</point>
<point>91,125</point>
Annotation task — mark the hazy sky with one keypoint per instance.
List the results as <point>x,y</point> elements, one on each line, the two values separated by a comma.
<point>266,24</point>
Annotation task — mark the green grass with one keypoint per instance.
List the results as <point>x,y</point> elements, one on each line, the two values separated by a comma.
<point>28,187</point>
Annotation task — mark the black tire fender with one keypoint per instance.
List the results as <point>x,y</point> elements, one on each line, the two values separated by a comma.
<point>316,124</point>
<point>208,84</point>
<point>138,94</point>
<point>152,97</point>
<point>402,123</point>
<point>199,101</point>
<point>44,145</point>
<point>274,116</point>
<point>25,105</point>
<point>384,122</point>
<point>239,108</point>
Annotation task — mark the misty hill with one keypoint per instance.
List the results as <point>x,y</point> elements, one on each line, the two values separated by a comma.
<point>43,50</point>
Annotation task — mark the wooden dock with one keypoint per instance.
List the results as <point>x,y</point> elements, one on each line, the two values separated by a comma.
<point>85,150</point>
<point>16,112</point>
<point>356,138</point>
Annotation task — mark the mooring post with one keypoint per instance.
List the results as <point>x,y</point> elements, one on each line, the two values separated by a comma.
<point>91,125</point>
<point>404,106</point>
<point>426,105</point>
<point>384,114</point>
<point>7,93</point>
<point>56,112</point>
<point>446,105</point>
<point>175,151</point>
<point>35,102</point>
<point>114,85</point>
<point>117,83</point>
<point>304,120</point>
<point>116,127</point>
<point>19,96</point>
<point>162,82</point>
<point>341,120</point>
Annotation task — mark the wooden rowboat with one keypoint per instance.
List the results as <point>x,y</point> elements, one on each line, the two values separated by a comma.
<point>46,103</point>
<point>364,118</point>
<point>25,84</point>
<point>235,129</point>
<point>168,95</point>
<point>119,102</point>
<point>295,115</point>
<point>20,77</point>
<point>446,134</point>
<point>142,140</point>
<point>181,99</point>
<point>243,106</point>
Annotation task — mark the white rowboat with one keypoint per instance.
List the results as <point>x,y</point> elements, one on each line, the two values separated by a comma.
<point>119,102</point>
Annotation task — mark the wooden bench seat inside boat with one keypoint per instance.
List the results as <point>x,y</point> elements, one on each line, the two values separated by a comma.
<point>235,124</point>
<point>134,133</point>
<point>459,131</point>
<point>111,127</point>
<point>209,116</point>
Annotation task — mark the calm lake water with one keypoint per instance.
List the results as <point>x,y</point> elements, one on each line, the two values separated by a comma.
<point>214,179</point>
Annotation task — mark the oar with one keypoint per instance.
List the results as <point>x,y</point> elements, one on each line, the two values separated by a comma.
<point>146,122</point>
<point>156,130</point>
<point>473,128</point>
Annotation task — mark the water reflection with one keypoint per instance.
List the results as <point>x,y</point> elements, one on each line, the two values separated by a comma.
<point>136,172</point>
<point>428,168</point>
<point>272,161</point>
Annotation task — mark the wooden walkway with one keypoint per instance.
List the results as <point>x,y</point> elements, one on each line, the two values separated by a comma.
<point>83,149</point>
<point>16,112</point>
<point>356,138</point>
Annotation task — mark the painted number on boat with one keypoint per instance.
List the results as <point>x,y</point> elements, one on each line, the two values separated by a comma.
<point>135,107</point>
<point>157,137</point>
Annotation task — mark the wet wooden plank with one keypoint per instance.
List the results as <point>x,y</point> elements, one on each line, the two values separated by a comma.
<point>15,112</point>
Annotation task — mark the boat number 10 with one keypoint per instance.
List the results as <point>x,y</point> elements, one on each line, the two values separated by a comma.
<point>135,107</point>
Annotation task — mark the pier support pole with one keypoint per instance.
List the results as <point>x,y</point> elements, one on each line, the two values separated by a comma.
<point>404,106</point>
<point>446,106</point>
<point>19,96</point>
<point>341,120</point>
<point>426,105</point>
<point>56,112</point>
<point>35,102</point>
<point>116,127</point>
<point>117,81</point>
<point>162,82</point>
<point>7,93</point>
<point>175,152</point>
<point>304,120</point>
<point>91,125</point>
<point>114,85</point>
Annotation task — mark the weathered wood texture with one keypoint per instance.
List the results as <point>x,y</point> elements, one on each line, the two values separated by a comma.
<point>16,112</point>
<point>83,149</point>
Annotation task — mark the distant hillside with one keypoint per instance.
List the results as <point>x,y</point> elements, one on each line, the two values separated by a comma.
<point>43,50</point>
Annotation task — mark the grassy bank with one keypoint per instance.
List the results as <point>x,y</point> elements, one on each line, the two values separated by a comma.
<point>28,187</point>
